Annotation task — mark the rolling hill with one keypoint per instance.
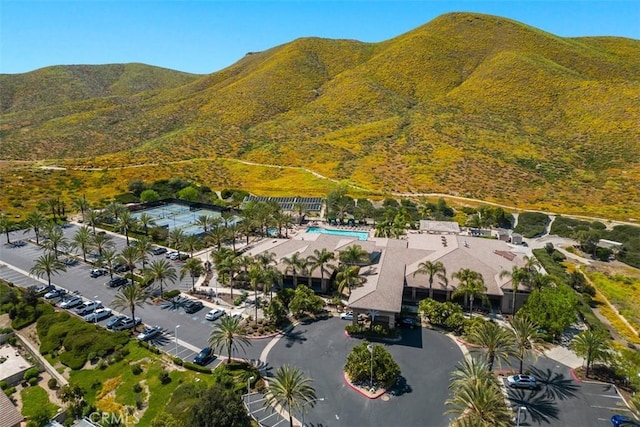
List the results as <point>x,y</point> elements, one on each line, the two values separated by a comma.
<point>467,104</point>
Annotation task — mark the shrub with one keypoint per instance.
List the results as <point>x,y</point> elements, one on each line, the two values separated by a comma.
<point>31,373</point>
<point>164,377</point>
<point>3,385</point>
<point>359,360</point>
<point>33,381</point>
<point>52,383</point>
<point>136,369</point>
<point>171,294</point>
<point>137,388</point>
<point>178,361</point>
<point>197,368</point>
<point>9,391</point>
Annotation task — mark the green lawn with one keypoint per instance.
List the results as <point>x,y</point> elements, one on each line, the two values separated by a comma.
<point>34,399</point>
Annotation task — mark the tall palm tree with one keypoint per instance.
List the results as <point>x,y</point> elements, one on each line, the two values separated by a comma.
<point>193,267</point>
<point>527,338</point>
<point>291,390</point>
<point>82,204</point>
<point>36,221</point>
<point>144,246</point>
<point>431,269</point>
<point>471,286</point>
<point>300,209</point>
<point>83,240</point>
<point>519,276</point>
<point>126,223</point>
<point>497,341</point>
<point>354,255</point>
<point>57,239</point>
<point>130,297</point>
<point>114,210</point>
<point>470,369</point>
<point>145,221</point>
<point>272,277</point>
<point>593,346</point>
<point>190,243</point>
<point>218,234</point>
<point>348,277</point>
<point>161,270</point>
<point>226,265</point>
<point>256,278</point>
<point>479,404</point>
<point>129,256</point>
<point>321,259</point>
<point>295,265</point>
<point>539,280</point>
<point>102,242</point>
<point>176,238</point>
<point>205,222</point>
<point>47,265</point>
<point>93,217</point>
<point>229,335</point>
<point>108,258</point>
<point>6,226</point>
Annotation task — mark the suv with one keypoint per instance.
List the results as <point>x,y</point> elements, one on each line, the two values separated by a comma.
<point>88,307</point>
<point>116,281</point>
<point>159,250</point>
<point>127,323</point>
<point>205,356</point>
<point>193,306</point>
<point>97,272</point>
<point>71,301</point>
<point>121,268</point>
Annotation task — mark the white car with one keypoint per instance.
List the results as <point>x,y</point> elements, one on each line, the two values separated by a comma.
<point>347,315</point>
<point>214,314</point>
<point>88,307</point>
<point>170,254</point>
<point>98,315</point>
<point>522,381</point>
<point>71,302</point>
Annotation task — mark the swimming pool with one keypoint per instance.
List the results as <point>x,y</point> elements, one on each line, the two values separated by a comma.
<point>361,235</point>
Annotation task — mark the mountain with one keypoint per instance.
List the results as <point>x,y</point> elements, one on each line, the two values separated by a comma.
<point>467,104</point>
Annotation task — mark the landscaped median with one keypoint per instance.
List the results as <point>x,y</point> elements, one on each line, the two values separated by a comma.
<point>370,370</point>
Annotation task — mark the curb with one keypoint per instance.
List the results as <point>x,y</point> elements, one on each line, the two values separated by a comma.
<point>361,391</point>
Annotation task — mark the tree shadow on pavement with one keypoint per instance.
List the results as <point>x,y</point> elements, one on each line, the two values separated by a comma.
<point>554,385</point>
<point>540,407</point>
<point>400,387</point>
<point>294,337</point>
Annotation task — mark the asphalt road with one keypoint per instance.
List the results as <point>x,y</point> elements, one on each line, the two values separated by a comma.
<point>426,359</point>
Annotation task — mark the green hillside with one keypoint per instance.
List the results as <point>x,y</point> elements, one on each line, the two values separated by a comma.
<point>467,104</point>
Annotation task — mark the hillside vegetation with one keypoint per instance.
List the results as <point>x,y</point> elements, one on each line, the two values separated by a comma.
<point>467,104</point>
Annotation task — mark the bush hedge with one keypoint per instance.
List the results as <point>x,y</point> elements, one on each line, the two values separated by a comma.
<point>197,368</point>
<point>531,224</point>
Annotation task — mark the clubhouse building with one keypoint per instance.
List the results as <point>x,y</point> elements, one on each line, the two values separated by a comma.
<point>390,280</point>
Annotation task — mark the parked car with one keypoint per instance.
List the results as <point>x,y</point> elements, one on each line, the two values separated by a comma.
<point>159,250</point>
<point>88,307</point>
<point>174,256</point>
<point>127,323</point>
<point>205,356</point>
<point>622,421</point>
<point>121,268</point>
<point>70,261</point>
<point>55,293</point>
<point>522,381</point>
<point>149,333</point>
<point>214,314</point>
<point>348,315</point>
<point>408,322</point>
<point>98,315</point>
<point>116,281</point>
<point>97,272</point>
<point>71,301</point>
<point>170,254</point>
<point>193,306</point>
<point>43,289</point>
<point>115,321</point>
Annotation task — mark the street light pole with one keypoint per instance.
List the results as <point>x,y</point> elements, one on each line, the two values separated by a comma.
<point>370,348</point>
<point>518,419</point>
<point>176,337</point>
<point>249,393</point>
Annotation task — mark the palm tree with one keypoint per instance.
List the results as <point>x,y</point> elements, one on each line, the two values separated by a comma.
<point>130,297</point>
<point>36,221</point>
<point>225,263</point>
<point>431,269</point>
<point>114,210</point>
<point>300,209</point>
<point>295,265</point>
<point>218,234</point>
<point>320,259</point>
<point>102,242</point>
<point>479,404</point>
<point>230,335</point>
<point>129,256</point>
<point>83,240</point>
<point>126,223</point>
<point>145,221</point>
<point>291,390</point>
<point>93,217</point>
<point>161,270</point>
<point>205,222</point>
<point>175,238</point>
<point>354,255</point>
<point>6,227</point>
<point>82,204</point>
<point>108,258</point>
<point>190,243</point>
<point>144,246</point>
<point>527,338</point>
<point>593,346</point>
<point>47,265</point>
<point>471,285</point>
<point>194,267</point>
<point>518,276</point>
<point>348,277</point>
<point>497,341</point>
<point>272,277</point>
<point>256,278</point>
<point>539,280</point>
<point>468,370</point>
<point>57,239</point>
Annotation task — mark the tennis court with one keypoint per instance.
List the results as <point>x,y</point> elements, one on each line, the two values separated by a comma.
<point>173,215</point>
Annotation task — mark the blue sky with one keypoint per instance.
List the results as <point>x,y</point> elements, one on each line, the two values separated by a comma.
<point>206,36</point>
